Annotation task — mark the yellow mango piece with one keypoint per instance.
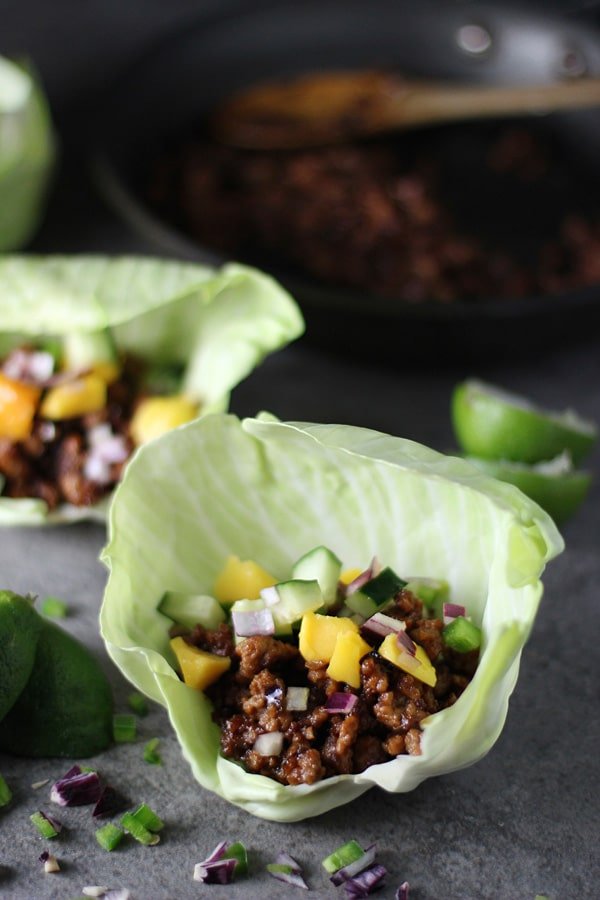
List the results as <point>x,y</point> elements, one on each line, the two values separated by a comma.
<point>18,403</point>
<point>419,665</point>
<point>345,661</point>
<point>349,575</point>
<point>318,635</point>
<point>107,371</point>
<point>157,415</point>
<point>241,580</point>
<point>199,668</point>
<point>75,398</point>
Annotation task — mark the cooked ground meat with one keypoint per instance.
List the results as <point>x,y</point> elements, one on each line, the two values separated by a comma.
<point>50,463</point>
<point>250,699</point>
<point>383,216</point>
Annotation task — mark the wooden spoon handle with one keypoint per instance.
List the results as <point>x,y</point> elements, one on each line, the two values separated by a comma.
<point>441,103</point>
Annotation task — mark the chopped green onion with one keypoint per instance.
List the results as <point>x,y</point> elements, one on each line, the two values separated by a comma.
<point>54,607</point>
<point>148,818</point>
<point>124,728</point>
<point>87,770</point>
<point>462,635</point>
<point>109,836</point>
<point>238,852</point>
<point>151,754</point>
<point>138,831</point>
<point>138,704</point>
<point>343,856</point>
<point>5,792</point>
<point>44,825</point>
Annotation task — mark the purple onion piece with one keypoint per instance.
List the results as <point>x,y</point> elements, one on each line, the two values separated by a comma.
<point>341,703</point>
<point>451,611</point>
<point>74,770</point>
<point>109,802</point>
<point>218,872</point>
<point>379,626</point>
<point>274,695</point>
<point>402,892</point>
<point>294,879</point>
<point>247,624</point>
<point>358,582</point>
<point>405,643</point>
<point>366,882</point>
<point>284,859</point>
<point>76,790</point>
<point>352,869</point>
<point>217,854</point>
<point>44,856</point>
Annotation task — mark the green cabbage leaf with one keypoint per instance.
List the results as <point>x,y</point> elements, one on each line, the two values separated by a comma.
<point>217,325</point>
<point>271,491</point>
<point>27,154</point>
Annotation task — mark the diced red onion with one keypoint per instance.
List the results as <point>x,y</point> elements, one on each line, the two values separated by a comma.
<point>402,892</point>
<point>217,853</point>
<point>94,890</point>
<point>292,878</point>
<point>270,595</point>
<point>76,788</point>
<point>341,703</point>
<point>451,611</point>
<point>274,695</point>
<point>98,434</point>
<point>380,625</point>
<point>246,624</point>
<point>113,449</point>
<point>296,698</point>
<point>366,882</point>
<point>58,826</point>
<point>218,872</point>
<point>47,431</point>
<point>34,366</point>
<point>269,744</point>
<point>284,859</point>
<point>106,449</point>
<point>97,469</point>
<point>352,869</point>
<point>50,862</point>
<point>359,581</point>
<point>109,802</point>
<point>406,643</point>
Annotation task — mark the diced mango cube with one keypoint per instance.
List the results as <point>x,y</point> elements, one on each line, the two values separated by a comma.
<point>157,415</point>
<point>349,575</point>
<point>241,580</point>
<point>107,371</point>
<point>75,398</point>
<point>199,668</point>
<point>345,661</point>
<point>18,403</point>
<point>419,665</point>
<point>318,635</point>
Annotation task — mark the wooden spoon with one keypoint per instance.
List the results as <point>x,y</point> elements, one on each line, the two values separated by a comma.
<point>338,106</point>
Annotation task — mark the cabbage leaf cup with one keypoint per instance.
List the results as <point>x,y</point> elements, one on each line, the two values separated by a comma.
<point>27,153</point>
<point>214,325</point>
<point>271,491</point>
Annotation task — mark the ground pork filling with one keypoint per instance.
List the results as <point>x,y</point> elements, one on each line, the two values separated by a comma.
<point>250,700</point>
<point>50,464</point>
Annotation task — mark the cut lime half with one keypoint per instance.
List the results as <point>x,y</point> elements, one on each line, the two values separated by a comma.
<point>493,424</point>
<point>555,485</point>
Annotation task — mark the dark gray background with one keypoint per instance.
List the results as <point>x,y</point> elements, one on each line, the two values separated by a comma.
<point>525,820</point>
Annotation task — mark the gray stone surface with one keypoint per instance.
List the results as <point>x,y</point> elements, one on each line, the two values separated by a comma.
<point>524,820</point>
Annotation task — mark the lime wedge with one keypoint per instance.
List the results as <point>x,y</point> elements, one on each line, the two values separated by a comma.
<point>555,485</point>
<point>27,153</point>
<point>492,424</point>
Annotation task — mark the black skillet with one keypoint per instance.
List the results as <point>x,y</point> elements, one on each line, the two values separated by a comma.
<point>175,84</point>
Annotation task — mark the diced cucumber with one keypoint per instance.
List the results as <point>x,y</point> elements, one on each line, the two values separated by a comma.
<point>295,598</point>
<point>375,593</point>
<point>282,629</point>
<point>433,592</point>
<point>192,609</point>
<point>324,566</point>
<point>462,635</point>
<point>84,350</point>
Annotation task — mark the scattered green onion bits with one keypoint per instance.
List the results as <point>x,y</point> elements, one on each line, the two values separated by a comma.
<point>238,852</point>
<point>148,818</point>
<point>151,754</point>
<point>124,728</point>
<point>48,828</point>
<point>5,793</point>
<point>109,836</point>
<point>138,831</point>
<point>137,702</point>
<point>343,856</point>
<point>54,608</point>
